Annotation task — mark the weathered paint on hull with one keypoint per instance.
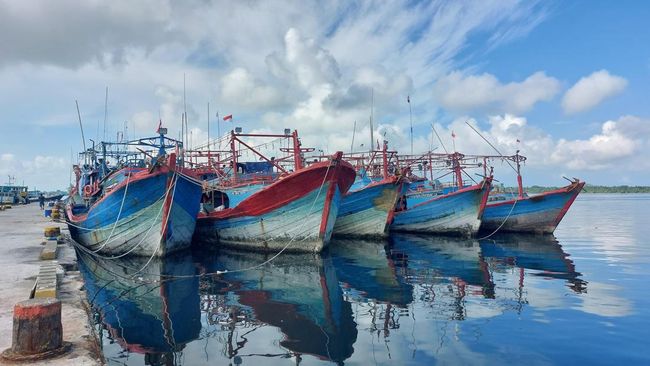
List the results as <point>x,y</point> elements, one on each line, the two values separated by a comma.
<point>366,212</point>
<point>537,214</point>
<point>298,222</point>
<point>139,228</point>
<point>456,213</point>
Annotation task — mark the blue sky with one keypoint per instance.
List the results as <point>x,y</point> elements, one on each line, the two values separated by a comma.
<point>570,80</point>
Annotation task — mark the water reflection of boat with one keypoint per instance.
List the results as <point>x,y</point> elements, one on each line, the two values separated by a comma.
<point>145,312</point>
<point>365,267</point>
<point>541,253</point>
<point>298,293</point>
<point>428,257</point>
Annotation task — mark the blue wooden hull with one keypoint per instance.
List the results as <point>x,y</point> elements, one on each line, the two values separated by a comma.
<point>536,214</point>
<point>454,213</point>
<point>298,222</point>
<point>366,212</point>
<point>150,207</point>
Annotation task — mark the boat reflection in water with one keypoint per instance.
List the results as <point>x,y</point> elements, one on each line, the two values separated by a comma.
<point>141,307</point>
<point>367,272</point>
<point>410,299</point>
<point>428,260</point>
<point>542,254</point>
<point>297,293</point>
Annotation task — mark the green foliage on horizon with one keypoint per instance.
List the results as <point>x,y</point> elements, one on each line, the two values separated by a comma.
<point>593,189</point>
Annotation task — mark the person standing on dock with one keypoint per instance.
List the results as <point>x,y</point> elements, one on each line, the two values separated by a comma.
<point>41,201</point>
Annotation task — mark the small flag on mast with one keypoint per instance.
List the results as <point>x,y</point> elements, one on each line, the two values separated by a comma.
<point>228,117</point>
<point>159,125</point>
<point>453,135</point>
<point>408,99</point>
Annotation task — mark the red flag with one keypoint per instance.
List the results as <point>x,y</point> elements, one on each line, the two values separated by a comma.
<point>228,117</point>
<point>453,135</point>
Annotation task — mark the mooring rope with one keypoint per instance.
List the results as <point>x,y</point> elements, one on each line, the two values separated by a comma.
<point>320,189</point>
<point>155,219</point>
<point>169,277</point>
<point>503,222</point>
<point>169,210</point>
<point>119,213</point>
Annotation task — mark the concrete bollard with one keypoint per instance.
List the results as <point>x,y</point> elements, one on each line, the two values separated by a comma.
<point>37,332</point>
<point>52,231</point>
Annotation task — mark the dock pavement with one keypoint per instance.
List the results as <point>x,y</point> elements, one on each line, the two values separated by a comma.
<point>21,245</point>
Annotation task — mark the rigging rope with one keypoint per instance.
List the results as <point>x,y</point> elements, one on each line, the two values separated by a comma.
<point>504,220</point>
<point>168,277</point>
<point>155,219</point>
<point>119,213</point>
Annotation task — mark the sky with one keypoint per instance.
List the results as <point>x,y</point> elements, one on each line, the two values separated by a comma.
<point>569,80</point>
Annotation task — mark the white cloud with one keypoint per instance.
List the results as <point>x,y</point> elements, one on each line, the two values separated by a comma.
<point>620,143</point>
<point>241,88</point>
<point>464,93</point>
<point>591,90</point>
<point>71,34</point>
<point>42,172</point>
<point>310,66</point>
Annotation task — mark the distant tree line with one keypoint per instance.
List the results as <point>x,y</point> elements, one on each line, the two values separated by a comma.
<point>593,189</point>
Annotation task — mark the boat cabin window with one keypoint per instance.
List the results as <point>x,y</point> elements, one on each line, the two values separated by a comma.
<point>216,200</point>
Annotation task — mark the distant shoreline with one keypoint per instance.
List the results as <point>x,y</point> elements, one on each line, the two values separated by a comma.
<point>594,189</point>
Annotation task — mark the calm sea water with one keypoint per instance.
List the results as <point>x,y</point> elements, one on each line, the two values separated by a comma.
<point>579,297</point>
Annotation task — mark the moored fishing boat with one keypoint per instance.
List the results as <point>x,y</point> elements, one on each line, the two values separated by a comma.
<point>295,212</point>
<point>138,210</point>
<point>539,213</point>
<point>456,210</point>
<point>368,208</point>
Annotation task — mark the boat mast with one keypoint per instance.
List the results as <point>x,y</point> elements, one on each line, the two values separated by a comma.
<point>233,150</point>
<point>372,132</point>
<point>297,160</point>
<point>408,99</point>
<point>209,158</point>
<point>385,158</point>
<point>519,182</point>
<point>83,138</point>
<point>354,131</point>
<point>455,158</point>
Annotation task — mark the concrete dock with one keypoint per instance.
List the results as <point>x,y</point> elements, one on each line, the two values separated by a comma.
<point>21,247</point>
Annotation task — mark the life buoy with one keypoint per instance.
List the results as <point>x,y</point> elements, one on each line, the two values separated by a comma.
<point>88,190</point>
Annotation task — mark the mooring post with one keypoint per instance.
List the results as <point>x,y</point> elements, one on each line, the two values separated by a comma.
<point>37,331</point>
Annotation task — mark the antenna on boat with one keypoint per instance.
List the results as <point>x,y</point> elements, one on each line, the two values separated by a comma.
<point>492,146</point>
<point>372,107</point>
<point>439,139</point>
<point>184,109</point>
<point>517,170</point>
<point>208,125</point>
<point>354,130</point>
<point>83,138</point>
<point>105,113</point>
<point>408,100</point>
